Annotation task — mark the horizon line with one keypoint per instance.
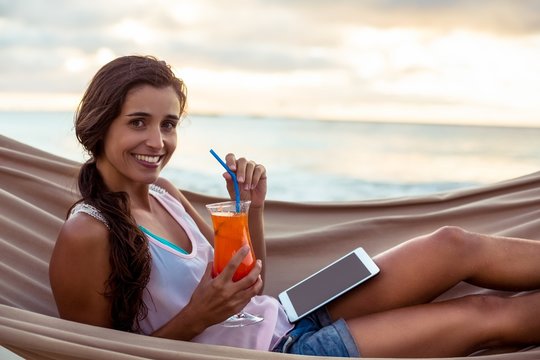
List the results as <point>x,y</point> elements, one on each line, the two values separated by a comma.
<point>457,123</point>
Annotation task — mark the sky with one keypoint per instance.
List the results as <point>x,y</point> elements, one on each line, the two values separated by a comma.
<point>434,61</point>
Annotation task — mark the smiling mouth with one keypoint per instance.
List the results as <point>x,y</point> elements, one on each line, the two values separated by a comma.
<point>151,159</point>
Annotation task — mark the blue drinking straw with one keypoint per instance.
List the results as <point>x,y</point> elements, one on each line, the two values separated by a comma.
<point>233,175</point>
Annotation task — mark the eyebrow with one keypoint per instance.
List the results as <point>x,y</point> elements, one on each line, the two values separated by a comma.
<point>144,114</point>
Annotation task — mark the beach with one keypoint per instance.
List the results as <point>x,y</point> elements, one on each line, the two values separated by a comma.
<point>316,161</point>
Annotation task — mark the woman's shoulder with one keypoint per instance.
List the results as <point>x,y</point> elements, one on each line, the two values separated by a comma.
<point>163,185</point>
<point>85,228</point>
<point>85,208</point>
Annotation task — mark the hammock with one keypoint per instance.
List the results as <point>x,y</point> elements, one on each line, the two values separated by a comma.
<point>37,189</point>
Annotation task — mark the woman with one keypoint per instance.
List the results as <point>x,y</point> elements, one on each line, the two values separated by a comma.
<point>112,266</point>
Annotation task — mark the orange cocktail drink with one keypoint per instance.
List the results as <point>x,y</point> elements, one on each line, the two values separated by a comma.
<point>231,233</point>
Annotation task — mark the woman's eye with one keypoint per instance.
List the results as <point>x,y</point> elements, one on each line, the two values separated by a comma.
<point>137,123</point>
<point>169,125</point>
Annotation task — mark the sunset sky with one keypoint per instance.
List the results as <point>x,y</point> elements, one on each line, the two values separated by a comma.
<point>389,60</point>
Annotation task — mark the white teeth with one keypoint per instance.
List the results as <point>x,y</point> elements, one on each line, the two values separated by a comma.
<point>148,159</point>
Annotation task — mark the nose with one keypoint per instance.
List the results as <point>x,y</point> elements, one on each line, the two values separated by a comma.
<point>155,138</point>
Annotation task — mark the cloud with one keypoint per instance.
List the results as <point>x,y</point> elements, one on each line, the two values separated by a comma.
<point>307,57</point>
<point>495,16</point>
<point>38,38</point>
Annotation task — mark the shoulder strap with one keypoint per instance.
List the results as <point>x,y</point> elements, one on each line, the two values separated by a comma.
<point>96,214</point>
<point>157,189</point>
<point>90,210</point>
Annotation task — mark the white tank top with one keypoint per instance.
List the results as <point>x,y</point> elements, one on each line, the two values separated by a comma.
<point>175,275</point>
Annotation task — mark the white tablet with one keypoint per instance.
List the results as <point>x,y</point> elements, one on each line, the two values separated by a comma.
<point>327,284</point>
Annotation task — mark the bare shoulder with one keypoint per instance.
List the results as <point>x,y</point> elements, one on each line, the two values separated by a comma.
<point>79,269</point>
<point>171,189</point>
<point>83,232</point>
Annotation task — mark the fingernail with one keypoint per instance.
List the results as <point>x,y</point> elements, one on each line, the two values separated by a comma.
<point>240,179</point>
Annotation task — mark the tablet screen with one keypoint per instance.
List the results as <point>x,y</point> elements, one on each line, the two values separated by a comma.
<point>328,283</point>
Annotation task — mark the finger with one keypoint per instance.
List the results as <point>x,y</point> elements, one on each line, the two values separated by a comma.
<point>250,167</point>
<point>252,290</point>
<point>258,174</point>
<point>241,169</point>
<point>250,279</point>
<point>235,261</point>
<point>230,160</point>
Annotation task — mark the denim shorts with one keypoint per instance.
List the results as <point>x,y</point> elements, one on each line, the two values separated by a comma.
<point>316,335</point>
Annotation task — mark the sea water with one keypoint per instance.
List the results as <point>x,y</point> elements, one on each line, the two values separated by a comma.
<point>319,161</point>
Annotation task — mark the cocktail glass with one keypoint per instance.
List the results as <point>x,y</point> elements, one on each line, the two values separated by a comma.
<point>231,233</point>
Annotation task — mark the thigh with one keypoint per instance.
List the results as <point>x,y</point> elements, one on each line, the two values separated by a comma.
<point>414,272</point>
<point>444,329</point>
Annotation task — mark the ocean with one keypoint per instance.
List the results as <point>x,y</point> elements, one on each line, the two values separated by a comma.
<point>320,161</point>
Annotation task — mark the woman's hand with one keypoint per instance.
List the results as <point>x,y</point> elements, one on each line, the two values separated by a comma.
<point>251,180</point>
<point>217,299</point>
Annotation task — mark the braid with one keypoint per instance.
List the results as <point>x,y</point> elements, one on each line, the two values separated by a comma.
<point>129,256</point>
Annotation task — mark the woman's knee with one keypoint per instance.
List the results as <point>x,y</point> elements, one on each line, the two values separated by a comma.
<point>450,243</point>
<point>449,233</point>
<point>455,241</point>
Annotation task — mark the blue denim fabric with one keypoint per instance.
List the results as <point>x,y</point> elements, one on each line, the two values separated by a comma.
<point>316,335</point>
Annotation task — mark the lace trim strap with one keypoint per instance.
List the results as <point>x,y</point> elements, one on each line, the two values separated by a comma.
<point>96,214</point>
<point>90,210</point>
<point>157,189</point>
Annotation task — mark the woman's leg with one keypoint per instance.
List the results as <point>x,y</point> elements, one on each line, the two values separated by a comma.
<point>419,270</point>
<point>455,327</point>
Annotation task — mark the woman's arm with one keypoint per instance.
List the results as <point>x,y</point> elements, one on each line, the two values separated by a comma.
<point>79,269</point>
<point>256,231</point>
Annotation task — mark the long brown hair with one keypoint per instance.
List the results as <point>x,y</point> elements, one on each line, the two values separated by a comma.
<point>130,256</point>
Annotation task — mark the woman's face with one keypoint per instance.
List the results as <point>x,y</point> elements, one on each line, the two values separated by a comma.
<point>142,139</point>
